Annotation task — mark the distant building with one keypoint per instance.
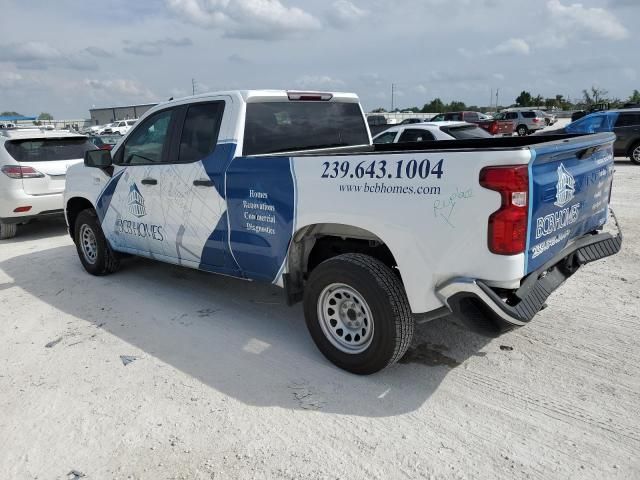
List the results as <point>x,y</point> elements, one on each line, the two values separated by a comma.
<point>100,116</point>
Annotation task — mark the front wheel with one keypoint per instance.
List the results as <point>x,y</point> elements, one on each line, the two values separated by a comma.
<point>8,230</point>
<point>93,249</point>
<point>634,156</point>
<point>358,314</point>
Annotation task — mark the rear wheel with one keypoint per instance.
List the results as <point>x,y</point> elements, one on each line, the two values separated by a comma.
<point>522,130</point>
<point>8,230</point>
<point>357,313</point>
<point>94,251</point>
<point>634,155</point>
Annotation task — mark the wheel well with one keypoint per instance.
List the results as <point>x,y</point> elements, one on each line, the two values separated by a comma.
<point>633,146</point>
<point>74,207</point>
<point>314,244</point>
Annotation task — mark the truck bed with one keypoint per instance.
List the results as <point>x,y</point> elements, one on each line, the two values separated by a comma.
<point>496,143</point>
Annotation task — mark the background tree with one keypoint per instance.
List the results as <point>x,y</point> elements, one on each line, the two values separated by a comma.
<point>456,106</point>
<point>524,99</point>
<point>635,97</point>
<point>11,114</point>
<point>537,100</point>
<point>378,110</point>
<point>45,116</point>
<point>435,106</point>
<point>596,95</point>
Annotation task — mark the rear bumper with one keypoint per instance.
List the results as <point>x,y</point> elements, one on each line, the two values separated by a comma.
<point>28,218</point>
<point>478,305</point>
<point>40,205</point>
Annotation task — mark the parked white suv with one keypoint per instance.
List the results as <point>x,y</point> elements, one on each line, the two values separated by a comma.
<point>119,128</point>
<point>33,167</point>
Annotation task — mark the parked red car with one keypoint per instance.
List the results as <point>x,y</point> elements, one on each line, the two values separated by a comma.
<point>493,126</point>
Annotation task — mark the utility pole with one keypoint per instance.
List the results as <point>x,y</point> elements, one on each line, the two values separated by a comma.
<point>392,94</point>
<point>193,86</point>
<point>497,98</point>
<point>491,101</point>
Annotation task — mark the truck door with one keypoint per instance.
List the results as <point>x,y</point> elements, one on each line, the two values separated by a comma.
<point>193,193</point>
<point>130,207</point>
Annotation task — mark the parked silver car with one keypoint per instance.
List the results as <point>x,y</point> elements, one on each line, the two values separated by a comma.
<point>526,122</point>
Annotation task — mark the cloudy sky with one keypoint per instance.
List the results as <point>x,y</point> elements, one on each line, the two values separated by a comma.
<point>66,56</point>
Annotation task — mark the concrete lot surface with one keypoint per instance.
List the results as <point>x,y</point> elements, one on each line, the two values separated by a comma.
<point>222,380</point>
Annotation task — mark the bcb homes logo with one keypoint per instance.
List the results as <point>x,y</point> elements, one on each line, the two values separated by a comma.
<point>136,202</point>
<point>136,207</point>
<point>565,191</point>
<point>565,188</point>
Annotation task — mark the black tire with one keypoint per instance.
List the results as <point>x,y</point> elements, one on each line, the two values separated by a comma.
<point>634,154</point>
<point>391,322</point>
<point>106,260</point>
<point>8,230</point>
<point>522,130</point>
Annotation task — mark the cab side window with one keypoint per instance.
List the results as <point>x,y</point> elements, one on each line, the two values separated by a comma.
<point>385,138</point>
<point>628,120</point>
<point>415,135</point>
<point>200,131</point>
<point>471,117</point>
<point>148,142</point>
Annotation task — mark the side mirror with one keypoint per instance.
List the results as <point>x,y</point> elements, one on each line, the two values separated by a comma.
<point>98,158</point>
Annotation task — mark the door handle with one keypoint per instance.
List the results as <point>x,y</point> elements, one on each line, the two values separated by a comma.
<point>149,181</point>
<point>203,183</point>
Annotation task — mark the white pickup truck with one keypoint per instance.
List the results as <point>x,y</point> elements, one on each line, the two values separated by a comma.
<point>285,187</point>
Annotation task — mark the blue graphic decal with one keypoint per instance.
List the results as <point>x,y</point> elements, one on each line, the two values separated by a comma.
<point>261,205</point>
<point>216,254</point>
<point>104,199</point>
<point>569,197</point>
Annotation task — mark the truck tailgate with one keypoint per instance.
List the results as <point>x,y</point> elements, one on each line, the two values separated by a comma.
<point>569,186</point>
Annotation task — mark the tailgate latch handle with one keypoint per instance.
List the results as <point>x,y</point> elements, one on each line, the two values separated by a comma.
<point>587,152</point>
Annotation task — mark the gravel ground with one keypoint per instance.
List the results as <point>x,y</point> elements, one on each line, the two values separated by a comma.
<point>222,380</point>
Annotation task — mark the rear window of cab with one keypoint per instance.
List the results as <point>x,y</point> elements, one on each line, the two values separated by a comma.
<point>273,127</point>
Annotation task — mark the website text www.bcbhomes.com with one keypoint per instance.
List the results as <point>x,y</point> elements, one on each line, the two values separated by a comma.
<point>381,188</point>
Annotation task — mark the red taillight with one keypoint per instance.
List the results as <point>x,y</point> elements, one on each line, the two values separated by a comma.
<point>105,146</point>
<point>21,209</point>
<point>508,224</point>
<point>493,128</point>
<point>16,171</point>
<point>536,120</point>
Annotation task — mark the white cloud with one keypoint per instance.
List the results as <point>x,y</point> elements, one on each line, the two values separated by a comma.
<point>98,52</point>
<point>421,89</point>
<point>498,76</point>
<point>248,19</point>
<point>40,56</point>
<point>577,18</point>
<point>9,79</point>
<point>343,13</point>
<point>318,82</point>
<point>154,47</point>
<point>512,46</point>
<point>120,88</point>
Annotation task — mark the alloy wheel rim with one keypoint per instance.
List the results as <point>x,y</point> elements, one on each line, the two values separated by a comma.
<point>88,244</point>
<point>636,154</point>
<point>345,318</point>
